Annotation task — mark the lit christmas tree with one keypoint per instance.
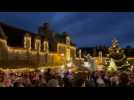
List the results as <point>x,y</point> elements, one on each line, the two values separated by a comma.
<point>112,67</point>
<point>117,54</point>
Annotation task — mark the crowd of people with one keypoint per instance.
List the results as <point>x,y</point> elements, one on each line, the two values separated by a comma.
<point>51,78</point>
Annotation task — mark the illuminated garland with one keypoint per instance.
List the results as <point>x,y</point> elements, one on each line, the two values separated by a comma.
<point>124,57</point>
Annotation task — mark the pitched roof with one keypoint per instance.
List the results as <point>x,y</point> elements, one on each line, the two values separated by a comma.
<point>14,35</point>
<point>55,37</point>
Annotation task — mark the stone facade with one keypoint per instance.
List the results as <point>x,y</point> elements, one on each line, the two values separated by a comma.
<point>34,52</point>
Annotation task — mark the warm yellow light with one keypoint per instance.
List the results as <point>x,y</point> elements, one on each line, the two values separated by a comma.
<point>68,54</point>
<point>37,44</point>
<point>65,45</point>
<point>4,41</point>
<point>112,66</point>
<point>62,54</point>
<point>46,46</point>
<point>16,50</point>
<point>27,41</point>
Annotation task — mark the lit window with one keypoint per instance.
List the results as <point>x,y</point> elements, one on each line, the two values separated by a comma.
<point>68,54</point>
<point>37,44</point>
<point>45,46</point>
<point>27,41</point>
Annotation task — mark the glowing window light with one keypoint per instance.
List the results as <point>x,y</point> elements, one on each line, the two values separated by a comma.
<point>46,46</point>
<point>37,44</point>
<point>27,41</point>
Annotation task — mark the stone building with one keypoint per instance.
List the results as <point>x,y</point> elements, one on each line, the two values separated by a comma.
<point>20,48</point>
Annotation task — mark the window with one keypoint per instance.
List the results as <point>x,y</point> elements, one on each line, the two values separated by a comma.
<point>68,54</point>
<point>37,44</point>
<point>45,46</point>
<point>27,41</point>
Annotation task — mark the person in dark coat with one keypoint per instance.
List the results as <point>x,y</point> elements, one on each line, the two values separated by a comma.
<point>48,75</point>
<point>67,82</point>
<point>123,80</point>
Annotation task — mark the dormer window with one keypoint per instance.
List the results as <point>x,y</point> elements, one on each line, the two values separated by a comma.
<point>27,41</point>
<point>37,44</point>
<point>68,40</point>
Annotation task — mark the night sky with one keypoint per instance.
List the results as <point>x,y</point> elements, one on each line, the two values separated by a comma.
<point>87,29</point>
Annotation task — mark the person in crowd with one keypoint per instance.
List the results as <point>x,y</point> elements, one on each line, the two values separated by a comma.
<point>18,83</point>
<point>131,83</point>
<point>131,80</point>
<point>78,80</point>
<point>114,80</point>
<point>123,80</point>
<point>53,82</point>
<point>27,82</point>
<point>67,82</point>
<point>94,77</point>
<point>1,80</point>
<point>60,79</point>
<point>7,82</point>
<point>56,79</point>
<point>48,75</point>
<point>100,82</point>
<point>107,80</point>
<point>90,82</point>
<point>42,81</point>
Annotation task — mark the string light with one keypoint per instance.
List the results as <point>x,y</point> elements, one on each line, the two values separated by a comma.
<point>46,46</point>
<point>65,45</point>
<point>27,41</point>
<point>37,44</point>
<point>4,42</point>
<point>27,49</point>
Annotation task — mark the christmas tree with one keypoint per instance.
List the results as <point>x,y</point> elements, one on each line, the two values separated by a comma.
<point>117,54</point>
<point>112,67</point>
